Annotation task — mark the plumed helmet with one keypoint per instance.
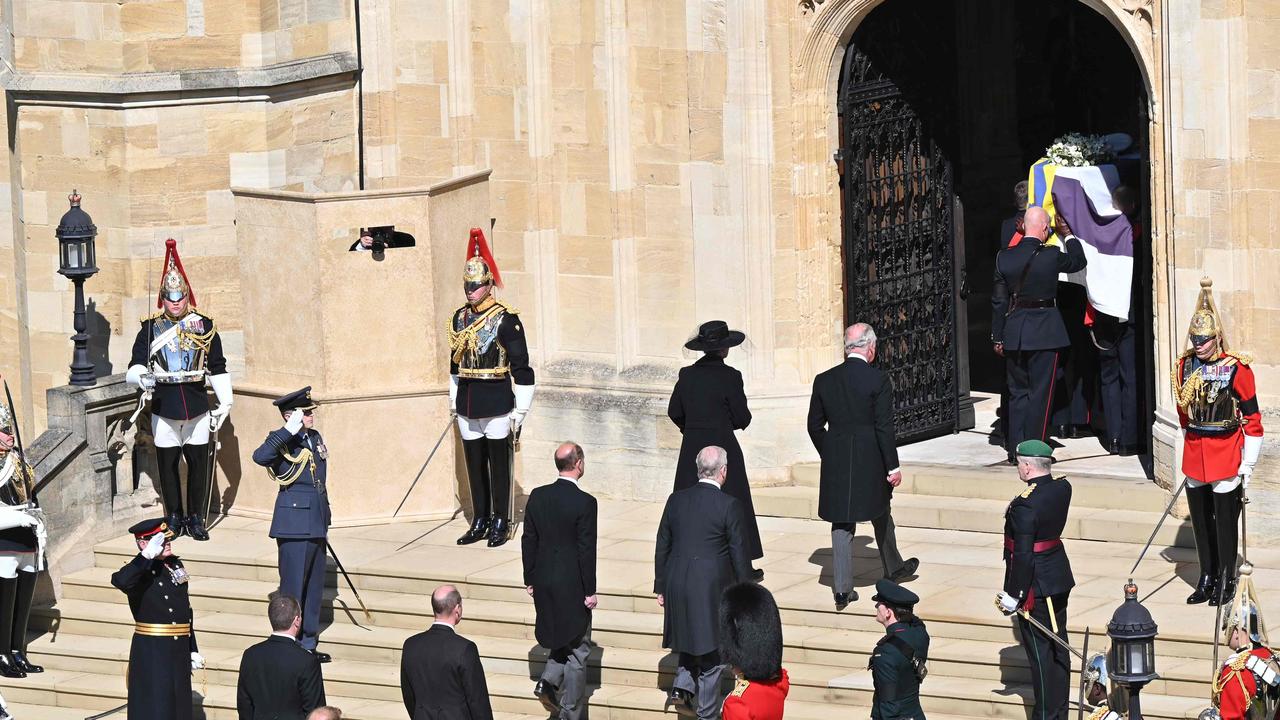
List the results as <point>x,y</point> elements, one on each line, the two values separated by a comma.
<point>1244,612</point>
<point>480,268</point>
<point>173,283</point>
<point>751,632</point>
<point>1205,320</point>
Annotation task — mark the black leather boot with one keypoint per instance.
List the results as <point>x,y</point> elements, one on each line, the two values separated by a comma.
<point>499,531</point>
<point>1200,503</point>
<point>177,524</point>
<point>9,667</point>
<point>196,528</point>
<point>1225,593</point>
<point>479,529</point>
<point>21,661</point>
<point>1205,589</point>
<point>8,601</point>
<point>21,614</point>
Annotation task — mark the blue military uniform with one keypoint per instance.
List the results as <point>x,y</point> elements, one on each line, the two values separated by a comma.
<point>297,463</point>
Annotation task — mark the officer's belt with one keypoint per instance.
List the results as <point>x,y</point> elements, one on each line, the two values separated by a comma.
<point>1042,546</point>
<point>1022,304</point>
<point>162,629</point>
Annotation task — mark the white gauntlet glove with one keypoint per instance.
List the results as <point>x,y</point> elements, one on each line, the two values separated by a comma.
<point>154,547</point>
<point>1249,457</point>
<point>453,394</point>
<point>524,400</point>
<point>293,423</point>
<point>222,389</point>
<point>197,661</point>
<point>1007,603</point>
<point>140,377</point>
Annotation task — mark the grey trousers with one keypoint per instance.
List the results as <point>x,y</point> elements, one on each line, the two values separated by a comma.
<point>566,670</point>
<point>842,551</point>
<point>706,687</point>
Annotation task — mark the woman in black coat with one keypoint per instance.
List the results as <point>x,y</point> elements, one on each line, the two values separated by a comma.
<point>708,404</point>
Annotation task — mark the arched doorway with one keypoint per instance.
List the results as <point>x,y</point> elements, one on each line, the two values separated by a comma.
<point>943,106</point>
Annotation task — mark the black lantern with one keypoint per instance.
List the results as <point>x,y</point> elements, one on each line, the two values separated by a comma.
<point>1132,657</point>
<point>77,261</point>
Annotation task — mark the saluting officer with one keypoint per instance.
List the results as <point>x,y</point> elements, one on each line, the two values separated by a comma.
<point>894,662</point>
<point>163,653</point>
<point>1026,327</point>
<point>1037,576</point>
<point>295,457</point>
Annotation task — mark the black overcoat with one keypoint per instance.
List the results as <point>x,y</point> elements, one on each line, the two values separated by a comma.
<point>851,425</point>
<point>279,680</point>
<point>559,552</point>
<point>159,672</point>
<point>1032,328</point>
<point>1037,515</point>
<point>699,553</point>
<point>441,677</point>
<point>708,404</point>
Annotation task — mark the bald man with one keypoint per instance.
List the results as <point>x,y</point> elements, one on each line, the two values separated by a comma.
<point>559,549</point>
<point>1026,327</point>
<point>441,677</point>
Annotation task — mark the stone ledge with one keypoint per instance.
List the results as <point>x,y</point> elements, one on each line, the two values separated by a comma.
<point>69,87</point>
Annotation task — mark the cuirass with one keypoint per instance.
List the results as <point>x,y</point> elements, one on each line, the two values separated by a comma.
<point>182,357</point>
<point>475,346</point>
<point>16,489</point>
<point>1212,409</point>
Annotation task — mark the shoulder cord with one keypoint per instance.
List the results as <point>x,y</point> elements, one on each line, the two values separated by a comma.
<point>299,462</point>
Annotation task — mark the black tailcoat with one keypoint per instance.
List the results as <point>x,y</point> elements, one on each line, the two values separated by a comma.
<point>851,425</point>
<point>441,677</point>
<point>1038,328</point>
<point>278,681</point>
<point>1037,515</point>
<point>559,550</point>
<point>699,553</point>
<point>159,679</point>
<point>708,404</point>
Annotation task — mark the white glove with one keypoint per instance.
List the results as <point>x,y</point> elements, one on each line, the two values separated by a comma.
<point>524,400</point>
<point>517,418</point>
<point>1249,457</point>
<point>1008,603</point>
<point>222,389</point>
<point>293,423</point>
<point>217,416</point>
<point>154,547</point>
<point>453,394</point>
<point>197,661</point>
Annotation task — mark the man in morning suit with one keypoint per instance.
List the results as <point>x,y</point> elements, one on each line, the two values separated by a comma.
<point>559,550</point>
<point>1037,576</point>
<point>851,425</point>
<point>441,677</point>
<point>278,679</point>
<point>1026,327</point>
<point>295,457</point>
<point>700,552</point>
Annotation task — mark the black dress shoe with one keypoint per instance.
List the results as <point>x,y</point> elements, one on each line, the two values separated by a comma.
<point>196,529</point>
<point>1205,589</point>
<point>23,664</point>
<point>499,531</point>
<point>479,529</point>
<point>9,667</point>
<point>546,693</point>
<point>323,657</point>
<point>843,599</point>
<point>907,570</point>
<point>177,524</point>
<point>682,701</point>
<point>757,574</point>
<point>1114,447</point>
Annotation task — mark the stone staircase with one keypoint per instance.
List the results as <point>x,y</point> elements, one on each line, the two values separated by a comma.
<point>949,518</point>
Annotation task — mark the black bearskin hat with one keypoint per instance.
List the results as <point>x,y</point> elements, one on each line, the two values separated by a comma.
<point>751,632</point>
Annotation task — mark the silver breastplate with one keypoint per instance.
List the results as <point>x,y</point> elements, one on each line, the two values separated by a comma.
<point>181,358</point>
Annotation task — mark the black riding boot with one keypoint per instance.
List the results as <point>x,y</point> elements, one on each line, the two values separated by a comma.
<point>171,487</point>
<point>1226,515</point>
<point>478,477</point>
<point>197,489</point>
<point>1200,502</point>
<point>21,614</point>
<point>8,600</point>
<point>500,470</point>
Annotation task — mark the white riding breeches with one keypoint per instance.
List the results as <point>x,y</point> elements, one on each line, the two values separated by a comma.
<point>176,433</point>
<point>494,428</point>
<point>11,563</point>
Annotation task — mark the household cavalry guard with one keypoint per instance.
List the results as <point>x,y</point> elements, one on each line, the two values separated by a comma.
<point>1247,686</point>
<point>175,350</point>
<point>22,550</point>
<point>1222,425</point>
<point>490,389</point>
<point>163,653</point>
<point>297,460</point>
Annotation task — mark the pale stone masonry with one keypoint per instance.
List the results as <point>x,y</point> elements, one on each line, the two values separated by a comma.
<point>654,163</point>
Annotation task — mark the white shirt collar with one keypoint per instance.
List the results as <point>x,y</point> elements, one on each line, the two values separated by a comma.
<point>441,622</point>
<point>856,355</point>
<point>284,634</point>
<point>572,480</point>
<point>712,483</point>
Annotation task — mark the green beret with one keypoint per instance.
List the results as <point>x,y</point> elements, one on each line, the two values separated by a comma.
<point>1034,448</point>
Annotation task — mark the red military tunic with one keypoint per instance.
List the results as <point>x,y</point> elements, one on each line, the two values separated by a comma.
<point>1213,456</point>
<point>754,700</point>
<point>1238,686</point>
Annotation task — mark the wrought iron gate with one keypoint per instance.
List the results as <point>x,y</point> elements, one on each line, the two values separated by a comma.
<point>899,254</point>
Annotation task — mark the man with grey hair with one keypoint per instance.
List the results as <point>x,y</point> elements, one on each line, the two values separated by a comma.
<point>699,553</point>
<point>1037,578</point>
<point>851,425</point>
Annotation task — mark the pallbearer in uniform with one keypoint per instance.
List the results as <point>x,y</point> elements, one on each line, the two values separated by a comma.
<point>22,550</point>
<point>296,459</point>
<point>1248,684</point>
<point>1037,575</point>
<point>488,352</point>
<point>163,653</point>
<point>175,350</point>
<point>1218,411</point>
<point>1026,327</point>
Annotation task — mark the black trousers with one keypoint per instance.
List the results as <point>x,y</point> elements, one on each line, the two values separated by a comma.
<point>1050,662</point>
<point>489,475</point>
<point>1118,373</point>
<point>1030,375</point>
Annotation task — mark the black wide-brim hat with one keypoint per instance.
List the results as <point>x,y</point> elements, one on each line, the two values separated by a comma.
<point>715,335</point>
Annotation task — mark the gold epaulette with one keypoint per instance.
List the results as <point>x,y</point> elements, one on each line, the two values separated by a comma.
<point>511,310</point>
<point>153,316</point>
<point>1027,493</point>
<point>740,687</point>
<point>1242,358</point>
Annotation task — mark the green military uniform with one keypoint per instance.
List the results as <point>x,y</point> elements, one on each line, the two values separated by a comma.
<point>893,673</point>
